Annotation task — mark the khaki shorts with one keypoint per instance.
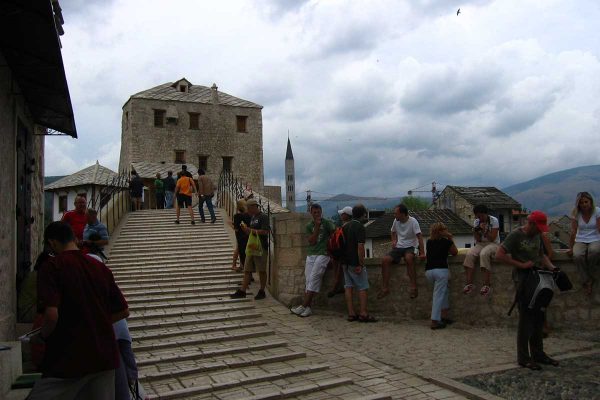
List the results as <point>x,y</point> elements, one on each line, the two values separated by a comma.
<point>256,264</point>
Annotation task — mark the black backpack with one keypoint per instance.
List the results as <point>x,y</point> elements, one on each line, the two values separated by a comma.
<point>537,289</point>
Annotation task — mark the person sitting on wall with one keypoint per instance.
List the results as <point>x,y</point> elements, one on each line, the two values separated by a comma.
<point>406,235</point>
<point>77,218</point>
<point>439,245</point>
<point>319,230</point>
<point>584,244</point>
<point>487,240</point>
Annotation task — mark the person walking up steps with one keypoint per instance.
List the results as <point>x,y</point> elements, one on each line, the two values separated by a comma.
<point>184,190</point>
<point>206,192</point>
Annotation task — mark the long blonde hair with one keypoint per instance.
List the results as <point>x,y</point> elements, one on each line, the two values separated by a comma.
<point>581,195</point>
<point>436,230</point>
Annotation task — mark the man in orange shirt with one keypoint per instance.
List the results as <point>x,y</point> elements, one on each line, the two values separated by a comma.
<point>77,218</point>
<point>183,192</point>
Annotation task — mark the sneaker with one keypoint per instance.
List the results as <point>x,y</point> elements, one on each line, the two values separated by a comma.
<point>212,221</point>
<point>468,288</point>
<point>307,312</point>
<point>239,294</point>
<point>260,295</point>
<point>176,221</point>
<point>298,310</point>
<point>486,290</point>
<point>193,222</point>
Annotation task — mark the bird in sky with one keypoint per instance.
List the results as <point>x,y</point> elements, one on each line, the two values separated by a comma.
<point>458,11</point>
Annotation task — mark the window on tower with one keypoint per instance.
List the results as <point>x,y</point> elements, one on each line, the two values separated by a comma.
<point>159,118</point>
<point>241,122</point>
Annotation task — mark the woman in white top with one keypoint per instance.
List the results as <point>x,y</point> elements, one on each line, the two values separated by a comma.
<point>585,238</point>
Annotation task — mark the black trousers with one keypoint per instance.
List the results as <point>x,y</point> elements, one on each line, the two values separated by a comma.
<point>530,342</point>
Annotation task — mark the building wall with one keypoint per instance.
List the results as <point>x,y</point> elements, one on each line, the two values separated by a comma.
<point>287,282</point>
<point>12,109</point>
<point>273,193</point>
<point>216,137</point>
<point>379,247</point>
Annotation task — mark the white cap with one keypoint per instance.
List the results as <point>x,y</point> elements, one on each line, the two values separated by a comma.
<point>346,210</point>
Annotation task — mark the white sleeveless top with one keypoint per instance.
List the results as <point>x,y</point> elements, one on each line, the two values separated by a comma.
<point>588,232</point>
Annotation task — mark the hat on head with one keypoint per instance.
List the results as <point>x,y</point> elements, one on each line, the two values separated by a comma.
<point>540,220</point>
<point>251,202</point>
<point>346,210</point>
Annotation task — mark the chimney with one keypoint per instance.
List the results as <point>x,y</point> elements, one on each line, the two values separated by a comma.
<point>214,94</point>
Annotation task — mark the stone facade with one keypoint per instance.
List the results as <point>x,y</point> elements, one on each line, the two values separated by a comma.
<point>201,127</point>
<point>287,285</point>
<point>21,237</point>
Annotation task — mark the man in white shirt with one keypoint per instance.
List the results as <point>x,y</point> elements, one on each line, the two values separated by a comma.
<point>406,235</point>
<point>487,241</point>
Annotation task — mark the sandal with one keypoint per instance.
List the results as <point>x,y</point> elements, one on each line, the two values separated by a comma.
<point>549,361</point>
<point>367,318</point>
<point>413,292</point>
<point>352,318</point>
<point>468,288</point>
<point>382,293</point>
<point>485,290</point>
<point>531,365</point>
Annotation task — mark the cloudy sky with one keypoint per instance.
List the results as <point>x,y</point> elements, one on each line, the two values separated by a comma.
<point>379,96</point>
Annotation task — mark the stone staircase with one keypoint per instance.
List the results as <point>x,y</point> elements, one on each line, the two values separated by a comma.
<point>190,339</point>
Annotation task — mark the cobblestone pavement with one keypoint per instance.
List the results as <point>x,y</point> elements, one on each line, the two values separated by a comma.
<point>458,350</point>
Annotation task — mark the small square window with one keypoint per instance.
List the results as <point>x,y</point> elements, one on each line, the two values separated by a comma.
<point>159,118</point>
<point>179,156</point>
<point>241,121</point>
<point>203,163</point>
<point>194,121</point>
<point>182,88</point>
<point>227,163</point>
<point>63,203</point>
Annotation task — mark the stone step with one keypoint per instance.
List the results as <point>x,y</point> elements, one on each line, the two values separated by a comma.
<point>132,271</point>
<point>195,339</point>
<point>157,214</point>
<point>194,289</point>
<point>213,387</point>
<point>146,247</point>
<point>180,283</point>
<point>190,296</point>
<point>153,366</point>
<point>173,304</point>
<point>180,331</point>
<point>151,263</point>
<point>140,315</point>
<point>302,389</point>
<point>182,229</point>
<point>172,275</point>
<point>177,255</point>
<point>161,326</point>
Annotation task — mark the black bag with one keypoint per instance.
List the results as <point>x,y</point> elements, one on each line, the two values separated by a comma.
<point>562,281</point>
<point>537,290</point>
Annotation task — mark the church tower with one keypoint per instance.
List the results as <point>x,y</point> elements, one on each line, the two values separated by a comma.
<point>290,179</point>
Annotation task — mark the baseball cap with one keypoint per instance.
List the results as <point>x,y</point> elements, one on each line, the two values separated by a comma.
<point>539,219</point>
<point>251,202</point>
<point>346,210</point>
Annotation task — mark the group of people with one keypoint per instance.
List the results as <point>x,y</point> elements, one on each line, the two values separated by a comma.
<point>177,193</point>
<point>526,248</point>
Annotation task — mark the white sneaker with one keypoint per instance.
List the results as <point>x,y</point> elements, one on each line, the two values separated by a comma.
<point>306,313</point>
<point>298,310</point>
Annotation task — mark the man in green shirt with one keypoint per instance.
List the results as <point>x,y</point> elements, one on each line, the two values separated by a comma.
<point>523,249</point>
<point>319,230</point>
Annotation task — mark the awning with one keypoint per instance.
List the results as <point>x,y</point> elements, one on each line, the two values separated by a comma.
<point>31,47</point>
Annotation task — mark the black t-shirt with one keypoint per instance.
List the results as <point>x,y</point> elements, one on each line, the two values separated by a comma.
<point>238,218</point>
<point>261,222</point>
<point>169,184</point>
<point>354,233</point>
<point>136,186</point>
<point>437,253</point>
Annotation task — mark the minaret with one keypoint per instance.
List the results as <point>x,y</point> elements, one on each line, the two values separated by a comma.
<point>290,179</point>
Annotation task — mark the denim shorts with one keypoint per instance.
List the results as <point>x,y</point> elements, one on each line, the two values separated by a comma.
<point>359,281</point>
<point>398,253</point>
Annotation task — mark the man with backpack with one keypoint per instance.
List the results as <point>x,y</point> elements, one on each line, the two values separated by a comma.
<point>319,230</point>
<point>523,249</point>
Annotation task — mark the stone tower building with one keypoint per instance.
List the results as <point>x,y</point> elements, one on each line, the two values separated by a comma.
<point>290,179</point>
<point>183,123</point>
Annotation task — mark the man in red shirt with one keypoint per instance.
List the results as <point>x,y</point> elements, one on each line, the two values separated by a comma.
<point>76,218</point>
<point>80,301</point>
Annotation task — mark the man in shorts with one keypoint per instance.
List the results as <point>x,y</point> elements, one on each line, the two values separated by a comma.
<point>319,230</point>
<point>136,190</point>
<point>406,235</point>
<point>184,191</point>
<point>353,264</point>
<point>259,224</point>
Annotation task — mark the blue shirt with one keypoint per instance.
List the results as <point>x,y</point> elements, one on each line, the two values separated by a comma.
<point>98,227</point>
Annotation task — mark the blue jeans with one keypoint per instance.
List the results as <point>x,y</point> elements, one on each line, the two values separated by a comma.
<point>439,278</point>
<point>209,205</point>
<point>169,198</point>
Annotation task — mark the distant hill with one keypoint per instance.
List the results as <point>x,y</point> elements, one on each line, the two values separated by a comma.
<point>555,193</point>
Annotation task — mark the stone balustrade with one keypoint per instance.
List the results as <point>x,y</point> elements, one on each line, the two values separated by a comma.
<point>570,309</point>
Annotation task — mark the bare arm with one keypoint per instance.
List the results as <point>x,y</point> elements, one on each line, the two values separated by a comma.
<point>504,257</point>
<point>547,263</point>
<point>574,227</point>
<point>361,257</point>
<point>394,238</point>
<point>421,246</point>
<point>493,234</point>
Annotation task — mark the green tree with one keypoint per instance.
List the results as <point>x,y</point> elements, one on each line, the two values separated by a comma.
<point>416,203</point>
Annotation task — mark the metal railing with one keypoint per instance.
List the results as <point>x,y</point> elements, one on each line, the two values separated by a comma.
<point>112,201</point>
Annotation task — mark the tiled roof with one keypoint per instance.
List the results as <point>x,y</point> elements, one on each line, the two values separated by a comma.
<point>381,226</point>
<point>93,175</point>
<point>194,94</point>
<point>563,222</point>
<point>492,197</point>
<point>148,170</point>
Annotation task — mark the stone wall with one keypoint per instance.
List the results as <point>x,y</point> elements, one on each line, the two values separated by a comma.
<point>571,309</point>
<point>216,137</point>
